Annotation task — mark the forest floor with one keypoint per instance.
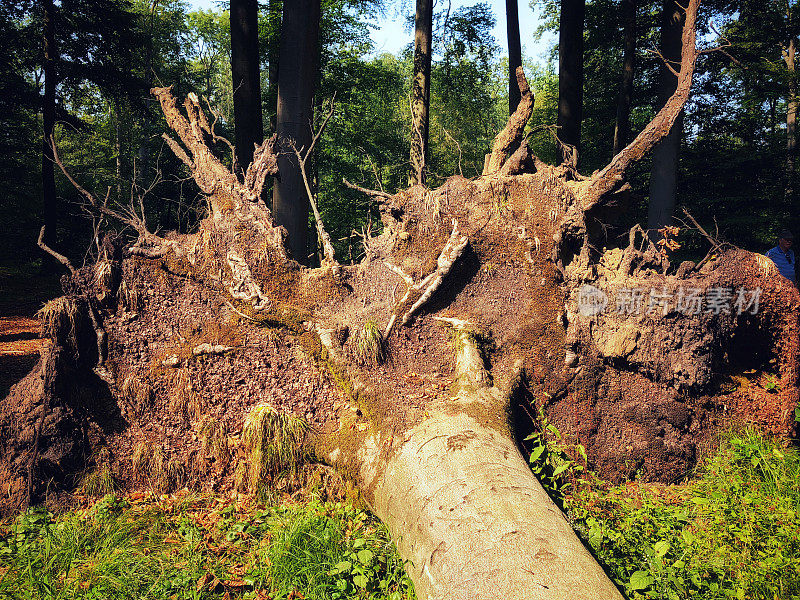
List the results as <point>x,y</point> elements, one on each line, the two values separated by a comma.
<point>21,295</point>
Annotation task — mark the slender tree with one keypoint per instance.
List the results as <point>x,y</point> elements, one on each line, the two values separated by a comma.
<point>421,89</point>
<point>570,73</point>
<point>273,48</point>
<point>789,52</point>
<point>297,75</point>
<point>248,124</point>
<point>514,54</point>
<point>664,173</point>
<point>49,200</point>
<point>622,126</point>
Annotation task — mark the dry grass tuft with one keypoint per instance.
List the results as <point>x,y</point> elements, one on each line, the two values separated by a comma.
<point>141,459</point>
<point>214,440</point>
<point>370,345</point>
<point>58,319</point>
<point>158,471</point>
<point>137,393</point>
<point>183,400</point>
<point>175,474</point>
<point>103,273</point>
<point>129,297</point>
<point>273,441</point>
<point>99,481</point>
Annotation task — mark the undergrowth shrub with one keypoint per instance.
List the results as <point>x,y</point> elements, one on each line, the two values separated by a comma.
<point>732,533</point>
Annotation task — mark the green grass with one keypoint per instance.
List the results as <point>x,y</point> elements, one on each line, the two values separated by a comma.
<point>197,548</point>
<point>732,533</point>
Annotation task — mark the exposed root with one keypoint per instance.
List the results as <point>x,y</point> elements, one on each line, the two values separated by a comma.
<point>511,135</point>
<point>244,287</point>
<point>453,249</point>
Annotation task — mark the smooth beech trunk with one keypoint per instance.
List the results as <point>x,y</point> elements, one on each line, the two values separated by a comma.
<point>297,76</point>
<point>622,125</point>
<point>49,200</point>
<point>421,89</point>
<point>789,57</point>
<point>247,119</point>
<point>514,54</point>
<point>664,173</point>
<point>570,73</point>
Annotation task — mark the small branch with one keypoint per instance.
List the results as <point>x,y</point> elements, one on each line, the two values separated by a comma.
<point>302,158</point>
<point>714,242</point>
<point>666,62</point>
<point>59,257</point>
<point>368,192</point>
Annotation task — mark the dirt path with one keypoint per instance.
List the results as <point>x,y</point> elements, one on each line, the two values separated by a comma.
<point>19,349</point>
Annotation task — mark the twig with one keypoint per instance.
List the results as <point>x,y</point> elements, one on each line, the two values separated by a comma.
<point>59,257</point>
<point>368,192</point>
<point>714,243</point>
<point>455,141</point>
<point>327,245</point>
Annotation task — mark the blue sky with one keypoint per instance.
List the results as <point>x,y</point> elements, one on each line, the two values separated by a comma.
<point>390,35</point>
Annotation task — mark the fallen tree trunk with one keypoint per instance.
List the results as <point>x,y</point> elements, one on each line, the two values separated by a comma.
<point>408,372</point>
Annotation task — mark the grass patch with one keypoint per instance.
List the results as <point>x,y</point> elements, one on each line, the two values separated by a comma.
<point>194,547</point>
<point>273,440</point>
<point>732,533</point>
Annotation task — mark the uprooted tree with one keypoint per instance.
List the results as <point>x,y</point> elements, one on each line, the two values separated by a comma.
<point>214,360</point>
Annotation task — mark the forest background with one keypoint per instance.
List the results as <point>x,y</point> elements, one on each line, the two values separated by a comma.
<point>735,175</point>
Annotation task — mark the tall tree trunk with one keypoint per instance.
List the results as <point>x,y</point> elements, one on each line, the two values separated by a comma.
<point>622,127</point>
<point>570,73</point>
<point>273,47</point>
<point>49,200</point>
<point>117,148</point>
<point>421,89</point>
<point>791,119</point>
<point>514,54</point>
<point>296,80</point>
<point>664,173</point>
<point>248,125</point>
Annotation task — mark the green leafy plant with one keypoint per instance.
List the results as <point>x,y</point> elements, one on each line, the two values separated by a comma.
<point>732,533</point>
<point>551,459</point>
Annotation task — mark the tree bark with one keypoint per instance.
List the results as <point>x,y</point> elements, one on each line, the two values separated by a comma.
<point>570,73</point>
<point>248,123</point>
<point>273,45</point>
<point>514,54</point>
<point>297,76</point>
<point>421,89</point>
<point>49,199</point>
<point>664,173</point>
<point>789,54</point>
<point>622,126</point>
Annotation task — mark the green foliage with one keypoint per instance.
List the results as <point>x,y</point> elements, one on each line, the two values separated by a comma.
<point>198,548</point>
<point>336,551</point>
<point>734,533</point>
<point>551,459</point>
